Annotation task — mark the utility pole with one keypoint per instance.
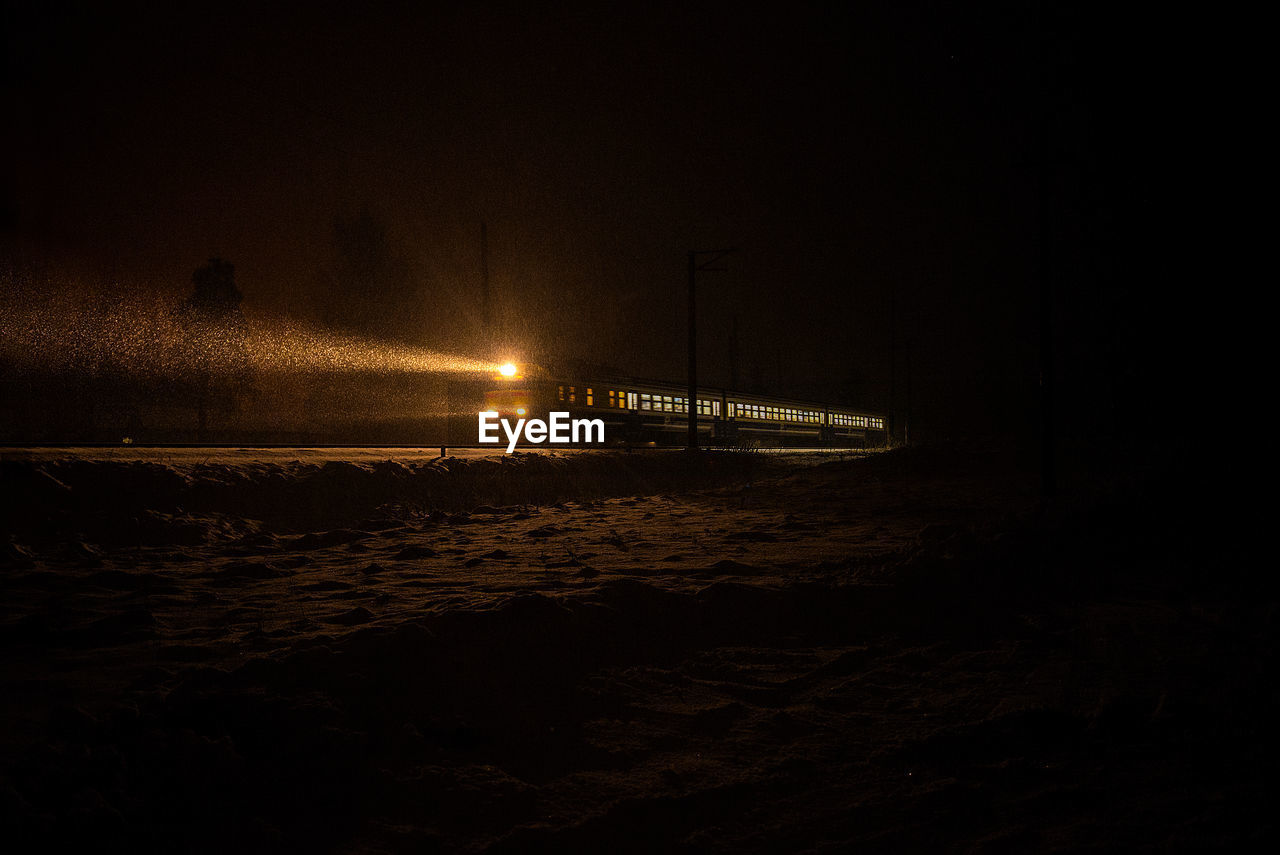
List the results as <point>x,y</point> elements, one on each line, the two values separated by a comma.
<point>906,425</point>
<point>893,367</point>
<point>691,403</point>
<point>486,313</point>
<point>733,354</point>
<point>1048,469</point>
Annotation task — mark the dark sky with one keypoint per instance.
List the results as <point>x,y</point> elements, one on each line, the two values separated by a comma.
<point>851,152</point>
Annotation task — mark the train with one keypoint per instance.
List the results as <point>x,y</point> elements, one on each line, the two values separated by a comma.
<point>652,412</point>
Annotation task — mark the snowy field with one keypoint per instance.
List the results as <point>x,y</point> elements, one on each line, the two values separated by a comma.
<point>376,650</point>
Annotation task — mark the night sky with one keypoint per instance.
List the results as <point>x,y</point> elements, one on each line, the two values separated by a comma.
<point>853,154</point>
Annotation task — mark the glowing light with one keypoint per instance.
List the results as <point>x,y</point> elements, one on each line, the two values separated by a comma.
<point>519,411</point>
<point>79,330</point>
<point>507,370</point>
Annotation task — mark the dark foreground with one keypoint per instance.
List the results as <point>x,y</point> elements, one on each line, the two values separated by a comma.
<point>902,652</point>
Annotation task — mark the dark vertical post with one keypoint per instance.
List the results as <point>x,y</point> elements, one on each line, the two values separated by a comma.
<point>906,425</point>
<point>691,403</point>
<point>890,434</point>
<point>1048,476</point>
<point>1048,472</point>
<point>486,312</point>
<point>733,354</point>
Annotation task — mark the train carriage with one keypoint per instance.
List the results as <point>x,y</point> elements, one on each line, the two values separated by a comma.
<point>636,411</point>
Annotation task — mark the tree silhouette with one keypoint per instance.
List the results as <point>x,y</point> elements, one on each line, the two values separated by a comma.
<point>216,296</point>
<point>215,357</point>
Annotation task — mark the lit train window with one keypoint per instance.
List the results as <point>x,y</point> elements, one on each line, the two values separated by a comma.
<point>666,403</point>
<point>573,394</point>
<point>644,402</point>
<point>590,397</point>
<point>732,405</point>
<point>715,408</point>
<point>561,389</point>
<point>631,400</point>
<point>611,398</point>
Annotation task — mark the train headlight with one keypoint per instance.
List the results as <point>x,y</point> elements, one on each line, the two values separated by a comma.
<point>508,370</point>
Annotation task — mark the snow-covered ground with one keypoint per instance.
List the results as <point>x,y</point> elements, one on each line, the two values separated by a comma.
<point>377,650</point>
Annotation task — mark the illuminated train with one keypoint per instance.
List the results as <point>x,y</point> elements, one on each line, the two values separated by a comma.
<point>652,412</point>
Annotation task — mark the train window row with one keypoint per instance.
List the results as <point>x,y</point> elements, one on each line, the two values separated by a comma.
<point>676,404</point>
<point>857,421</point>
<point>617,398</point>
<point>645,401</point>
<point>774,414</point>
